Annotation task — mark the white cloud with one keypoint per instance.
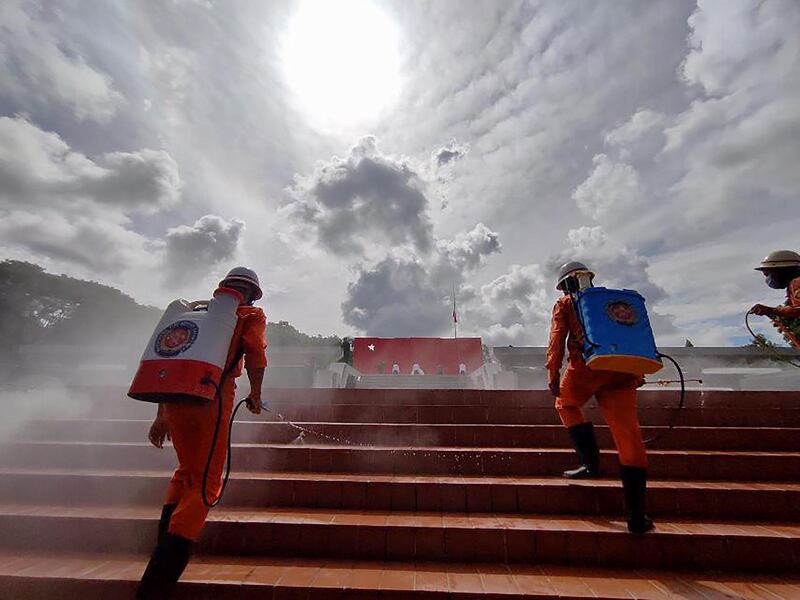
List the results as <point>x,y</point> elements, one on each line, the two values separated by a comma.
<point>613,187</point>
<point>513,309</point>
<point>675,125</point>
<point>642,122</point>
<point>38,66</point>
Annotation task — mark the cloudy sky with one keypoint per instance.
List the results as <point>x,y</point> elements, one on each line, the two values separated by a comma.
<point>367,157</point>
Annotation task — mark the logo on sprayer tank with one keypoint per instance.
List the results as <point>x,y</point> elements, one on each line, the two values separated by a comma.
<point>621,312</point>
<point>176,338</point>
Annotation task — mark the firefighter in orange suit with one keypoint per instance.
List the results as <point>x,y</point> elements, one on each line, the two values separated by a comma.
<point>191,427</point>
<point>782,272</point>
<point>615,394</point>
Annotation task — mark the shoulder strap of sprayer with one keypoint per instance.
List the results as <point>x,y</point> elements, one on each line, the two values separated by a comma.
<point>587,342</point>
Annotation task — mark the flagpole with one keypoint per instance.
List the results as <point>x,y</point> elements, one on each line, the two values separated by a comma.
<point>455,317</point>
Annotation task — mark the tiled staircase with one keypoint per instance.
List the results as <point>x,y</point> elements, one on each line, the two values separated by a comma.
<point>426,494</point>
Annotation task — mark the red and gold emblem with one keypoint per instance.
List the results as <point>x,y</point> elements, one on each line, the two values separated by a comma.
<point>176,338</point>
<point>622,312</point>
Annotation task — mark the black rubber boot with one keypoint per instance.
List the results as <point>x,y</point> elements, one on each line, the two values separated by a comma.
<point>585,444</point>
<point>165,567</point>
<point>163,522</point>
<point>634,485</point>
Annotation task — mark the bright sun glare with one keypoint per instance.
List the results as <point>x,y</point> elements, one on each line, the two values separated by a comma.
<point>341,60</point>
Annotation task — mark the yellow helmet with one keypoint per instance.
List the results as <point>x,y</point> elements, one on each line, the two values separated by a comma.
<point>779,259</point>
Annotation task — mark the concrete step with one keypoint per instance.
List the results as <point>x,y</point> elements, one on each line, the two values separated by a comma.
<point>554,495</point>
<point>413,434</point>
<point>436,536</point>
<point>664,464</point>
<point>712,409</point>
<point>106,397</point>
<point>500,414</point>
<point>110,577</point>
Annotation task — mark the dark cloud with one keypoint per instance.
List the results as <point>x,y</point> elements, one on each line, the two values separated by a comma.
<point>366,198</point>
<point>404,293</point>
<point>450,153</point>
<point>198,248</point>
<point>67,207</point>
<point>38,168</point>
<point>396,297</point>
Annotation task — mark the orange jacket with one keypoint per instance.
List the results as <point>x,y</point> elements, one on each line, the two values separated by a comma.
<point>787,317</point>
<point>564,328</point>
<point>249,340</point>
<point>791,309</point>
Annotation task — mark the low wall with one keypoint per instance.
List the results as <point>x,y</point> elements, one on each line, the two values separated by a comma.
<point>719,367</point>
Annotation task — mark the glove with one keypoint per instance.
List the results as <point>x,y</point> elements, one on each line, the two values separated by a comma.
<point>763,311</point>
<point>555,385</point>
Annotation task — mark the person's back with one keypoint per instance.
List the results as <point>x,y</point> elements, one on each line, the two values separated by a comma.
<point>191,428</point>
<point>615,393</point>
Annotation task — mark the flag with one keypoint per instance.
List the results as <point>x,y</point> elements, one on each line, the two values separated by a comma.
<point>455,316</point>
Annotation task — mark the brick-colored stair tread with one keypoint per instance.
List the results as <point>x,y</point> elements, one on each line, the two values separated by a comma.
<point>226,576</point>
<point>414,449</point>
<point>403,434</point>
<point>89,422</point>
<point>557,481</point>
<point>408,519</point>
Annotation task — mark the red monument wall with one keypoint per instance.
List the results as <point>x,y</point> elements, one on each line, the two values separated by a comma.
<point>430,353</point>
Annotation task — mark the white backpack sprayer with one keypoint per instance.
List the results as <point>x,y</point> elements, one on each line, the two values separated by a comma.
<point>187,360</point>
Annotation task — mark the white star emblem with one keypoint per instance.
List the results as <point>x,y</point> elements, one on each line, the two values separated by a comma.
<point>371,347</point>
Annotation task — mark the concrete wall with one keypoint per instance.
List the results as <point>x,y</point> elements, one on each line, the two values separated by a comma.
<point>718,367</point>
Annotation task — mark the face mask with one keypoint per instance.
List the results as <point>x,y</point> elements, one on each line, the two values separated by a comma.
<point>584,281</point>
<point>775,282</point>
<point>577,283</point>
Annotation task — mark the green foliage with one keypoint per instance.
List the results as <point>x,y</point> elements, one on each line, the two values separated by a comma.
<point>37,307</point>
<point>761,341</point>
<point>283,333</point>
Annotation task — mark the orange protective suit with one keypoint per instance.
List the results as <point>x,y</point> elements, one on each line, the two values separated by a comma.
<point>191,427</point>
<point>787,317</point>
<point>615,392</point>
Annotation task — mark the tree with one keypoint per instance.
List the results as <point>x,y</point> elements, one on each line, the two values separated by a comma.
<point>283,333</point>
<point>37,307</point>
<point>761,341</point>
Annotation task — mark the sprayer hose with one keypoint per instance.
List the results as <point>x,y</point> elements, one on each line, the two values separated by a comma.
<point>218,397</point>
<point>674,418</point>
<point>777,355</point>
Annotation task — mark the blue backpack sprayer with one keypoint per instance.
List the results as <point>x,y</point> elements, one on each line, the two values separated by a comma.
<point>618,337</point>
<point>187,360</point>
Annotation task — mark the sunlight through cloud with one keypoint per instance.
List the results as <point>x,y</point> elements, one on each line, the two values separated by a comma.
<point>341,61</point>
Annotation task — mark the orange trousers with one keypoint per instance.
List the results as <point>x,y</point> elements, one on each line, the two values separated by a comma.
<point>192,428</point>
<point>616,397</point>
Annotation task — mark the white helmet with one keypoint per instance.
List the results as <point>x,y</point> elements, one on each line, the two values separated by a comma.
<point>779,259</point>
<point>246,275</point>
<point>568,269</point>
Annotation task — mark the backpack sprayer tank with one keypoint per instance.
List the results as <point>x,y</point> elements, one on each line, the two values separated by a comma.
<point>617,332</point>
<point>187,353</point>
